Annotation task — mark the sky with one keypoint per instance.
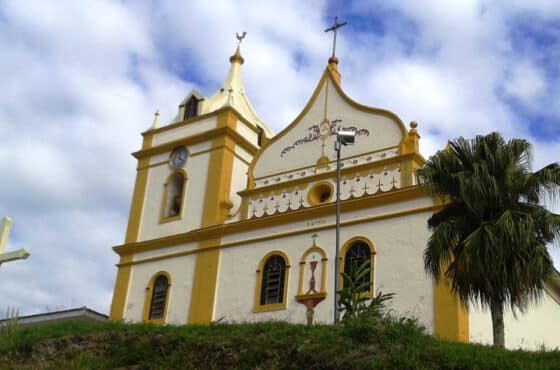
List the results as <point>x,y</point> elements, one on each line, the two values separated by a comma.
<point>80,80</point>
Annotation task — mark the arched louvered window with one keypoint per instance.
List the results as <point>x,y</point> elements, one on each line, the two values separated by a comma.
<point>272,290</point>
<point>356,253</point>
<point>159,298</point>
<point>191,108</point>
<point>272,281</point>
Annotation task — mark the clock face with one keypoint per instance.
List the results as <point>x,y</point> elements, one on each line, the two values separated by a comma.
<point>179,157</point>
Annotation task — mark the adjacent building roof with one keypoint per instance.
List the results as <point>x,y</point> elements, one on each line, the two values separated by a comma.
<point>81,313</point>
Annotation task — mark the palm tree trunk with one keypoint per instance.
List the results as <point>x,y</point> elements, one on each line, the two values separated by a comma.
<point>497,312</point>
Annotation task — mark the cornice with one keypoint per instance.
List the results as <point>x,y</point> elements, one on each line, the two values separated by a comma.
<point>217,231</point>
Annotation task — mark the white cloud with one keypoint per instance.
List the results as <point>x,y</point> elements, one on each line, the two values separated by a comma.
<point>526,83</point>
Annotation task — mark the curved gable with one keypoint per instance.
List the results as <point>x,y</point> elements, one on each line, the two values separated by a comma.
<point>303,145</point>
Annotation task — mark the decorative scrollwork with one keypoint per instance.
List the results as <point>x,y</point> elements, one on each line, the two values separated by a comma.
<point>314,134</point>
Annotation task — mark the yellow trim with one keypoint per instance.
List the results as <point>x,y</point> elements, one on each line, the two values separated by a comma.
<point>137,205</point>
<point>552,287</point>
<point>451,317</point>
<point>315,193</point>
<point>554,282</point>
<point>327,74</point>
<point>272,307</point>
<point>167,242</point>
<point>199,138</point>
<point>122,280</point>
<point>333,67</point>
<point>326,210</point>
<point>148,299</point>
<point>216,202</point>
<point>162,215</point>
<point>120,292</point>
<point>191,155</point>
<point>153,132</point>
<point>302,264</point>
<point>342,255</point>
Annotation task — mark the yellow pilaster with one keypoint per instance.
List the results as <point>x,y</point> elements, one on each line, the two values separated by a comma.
<point>216,200</point>
<point>121,289</point>
<point>132,232</point>
<point>451,318</point>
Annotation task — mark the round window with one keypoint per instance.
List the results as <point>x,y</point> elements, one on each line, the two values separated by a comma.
<point>321,193</point>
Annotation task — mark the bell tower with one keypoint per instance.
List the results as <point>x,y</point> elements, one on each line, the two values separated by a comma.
<point>188,175</point>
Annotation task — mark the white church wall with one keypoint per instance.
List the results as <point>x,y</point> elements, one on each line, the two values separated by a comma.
<point>182,131</point>
<point>400,245</point>
<point>536,329</point>
<point>399,269</point>
<point>237,281</point>
<point>306,145</point>
<point>247,132</point>
<point>243,154</point>
<point>181,270</point>
<point>197,169</point>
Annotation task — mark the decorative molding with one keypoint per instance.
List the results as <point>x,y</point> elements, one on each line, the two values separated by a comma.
<point>314,134</point>
<point>353,186</point>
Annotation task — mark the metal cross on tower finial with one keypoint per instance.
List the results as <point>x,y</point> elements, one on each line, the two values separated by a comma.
<point>240,38</point>
<point>335,29</point>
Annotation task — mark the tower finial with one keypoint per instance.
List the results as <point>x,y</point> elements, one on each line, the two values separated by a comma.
<point>240,38</point>
<point>156,120</point>
<point>237,56</point>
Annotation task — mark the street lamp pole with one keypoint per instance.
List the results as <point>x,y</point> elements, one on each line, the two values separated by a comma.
<point>343,137</point>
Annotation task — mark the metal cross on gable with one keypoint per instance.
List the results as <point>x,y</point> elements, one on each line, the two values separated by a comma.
<point>335,28</point>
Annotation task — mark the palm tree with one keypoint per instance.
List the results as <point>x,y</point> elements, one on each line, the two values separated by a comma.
<point>489,239</point>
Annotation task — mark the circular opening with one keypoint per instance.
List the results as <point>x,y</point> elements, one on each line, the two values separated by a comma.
<point>320,193</point>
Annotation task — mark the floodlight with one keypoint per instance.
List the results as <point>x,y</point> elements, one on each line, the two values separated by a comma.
<point>346,137</point>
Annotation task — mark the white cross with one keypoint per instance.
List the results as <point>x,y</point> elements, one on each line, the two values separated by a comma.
<point>20,254</point>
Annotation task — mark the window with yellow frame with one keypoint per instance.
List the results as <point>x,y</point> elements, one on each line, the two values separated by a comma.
<point>174,191</point>
<point>272,282</point>
<point>355,252</point>
<point>156,303</point>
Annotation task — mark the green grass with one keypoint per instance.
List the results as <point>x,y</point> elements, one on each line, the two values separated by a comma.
<point>359,344</point>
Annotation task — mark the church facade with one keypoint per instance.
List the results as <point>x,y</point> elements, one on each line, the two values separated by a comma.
<point>230,222</point>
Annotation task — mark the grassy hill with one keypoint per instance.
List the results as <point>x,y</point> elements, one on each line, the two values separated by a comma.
<point>359,344</point>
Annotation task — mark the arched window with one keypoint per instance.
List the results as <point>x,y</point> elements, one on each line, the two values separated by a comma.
<point>191,108</point>
<point>272,282</point>
<point>157,297</point>
<point>174,197</point>
<point>354,253</point>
